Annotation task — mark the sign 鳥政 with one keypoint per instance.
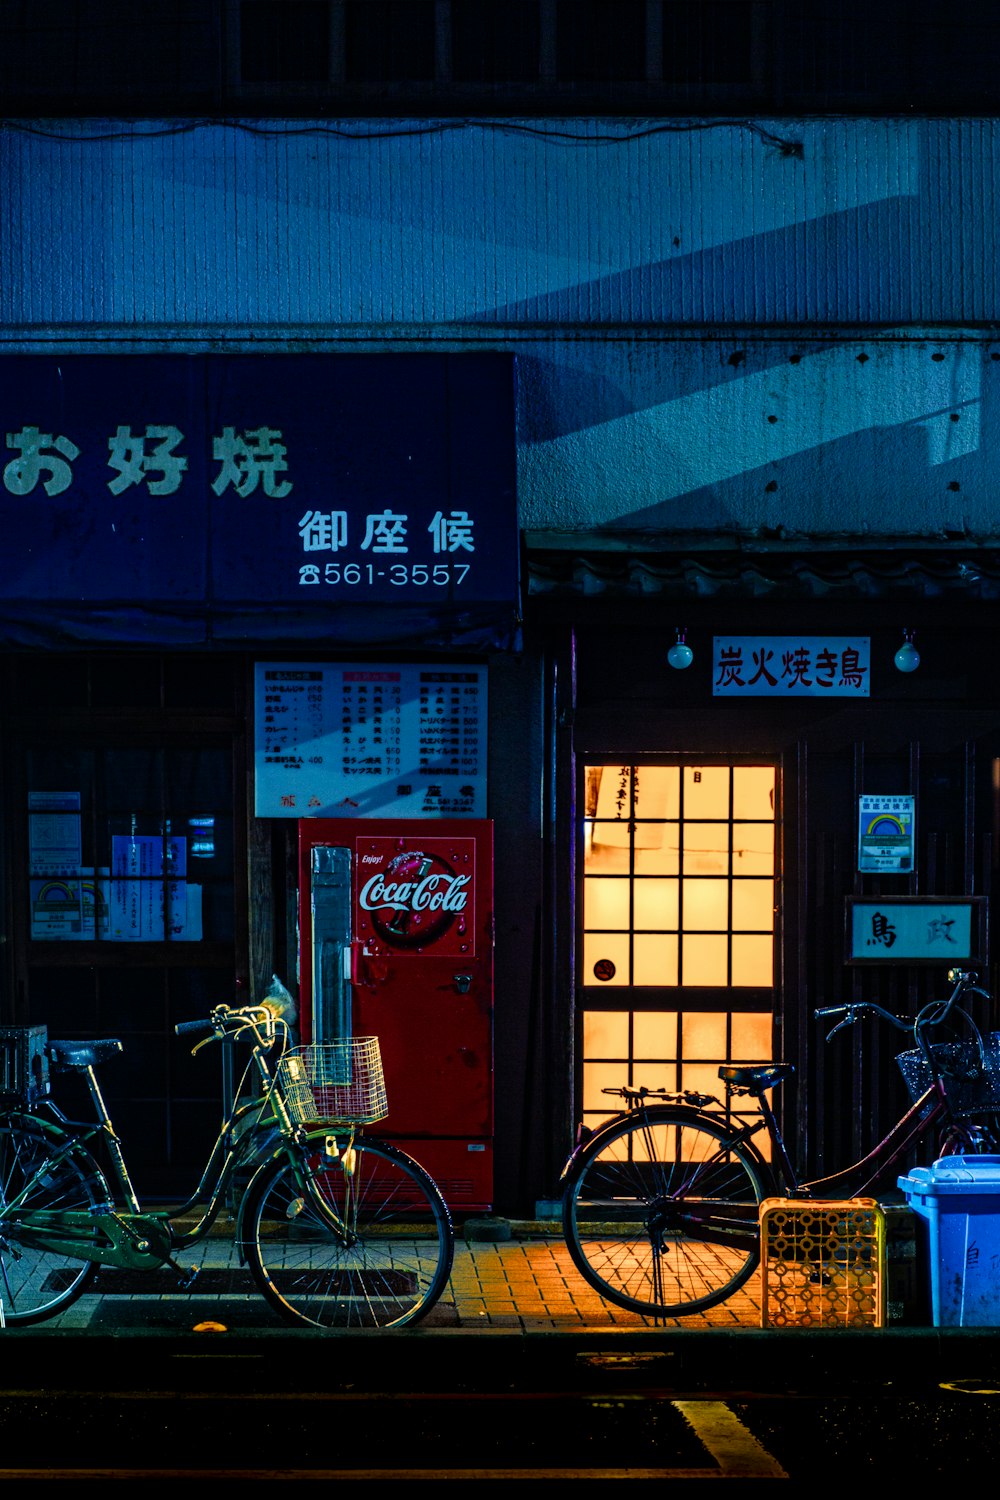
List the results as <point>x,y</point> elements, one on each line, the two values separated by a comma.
<point>941,930</point>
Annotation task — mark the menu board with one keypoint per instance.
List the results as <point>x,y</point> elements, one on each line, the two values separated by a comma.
<point>362,740</point>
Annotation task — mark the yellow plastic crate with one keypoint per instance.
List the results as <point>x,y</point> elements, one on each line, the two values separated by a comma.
<point>823,1265</point>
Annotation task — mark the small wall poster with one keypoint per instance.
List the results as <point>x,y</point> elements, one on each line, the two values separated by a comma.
<point>885,834</point>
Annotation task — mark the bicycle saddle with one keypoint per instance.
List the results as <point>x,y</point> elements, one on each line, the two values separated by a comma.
<point>756,1075</point>
<point>83,1054</point>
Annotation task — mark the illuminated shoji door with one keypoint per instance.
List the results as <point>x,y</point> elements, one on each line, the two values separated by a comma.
<point>677,913</point>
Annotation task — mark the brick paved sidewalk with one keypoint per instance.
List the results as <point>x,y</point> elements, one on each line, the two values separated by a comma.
<point>530,1283</point>
<point>526,1283</point>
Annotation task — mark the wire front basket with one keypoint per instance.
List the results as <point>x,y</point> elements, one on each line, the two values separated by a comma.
<point>969,1069</point>
<point>338,1081</point>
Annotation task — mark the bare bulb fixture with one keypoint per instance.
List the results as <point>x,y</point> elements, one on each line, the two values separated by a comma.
<point>680,654</point>
<point>907,658</point>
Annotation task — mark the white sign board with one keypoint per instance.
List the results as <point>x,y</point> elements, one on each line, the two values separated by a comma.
<point>356,740</point>
<point>791,666</point>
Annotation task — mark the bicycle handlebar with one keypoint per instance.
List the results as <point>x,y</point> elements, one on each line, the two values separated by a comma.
<point>183,1027</point>
<point>228,1020</point>
<point>934,1014</point>
<point>277,1006</point>
<point>851,1013</point>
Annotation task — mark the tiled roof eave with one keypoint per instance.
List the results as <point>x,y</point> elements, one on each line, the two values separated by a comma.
<point>903,572</point>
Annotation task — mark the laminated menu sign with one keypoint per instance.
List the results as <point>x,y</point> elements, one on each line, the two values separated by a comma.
<point>67,903</point>
<point>145,906</point>
<point>70,908</point>
<point>54,832</point>
<point>361,740</point>
<point>885,834</point>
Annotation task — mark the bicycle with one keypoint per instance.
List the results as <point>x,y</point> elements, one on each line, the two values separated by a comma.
<point>338,1229</point>
<point>660,1205</point>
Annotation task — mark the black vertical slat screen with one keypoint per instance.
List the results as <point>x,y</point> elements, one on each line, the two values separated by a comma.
<point>850,1089</point>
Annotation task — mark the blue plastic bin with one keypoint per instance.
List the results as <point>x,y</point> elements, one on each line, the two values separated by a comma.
<point>959,1196</point>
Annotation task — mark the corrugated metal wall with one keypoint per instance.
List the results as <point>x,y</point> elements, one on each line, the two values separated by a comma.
<point>720,325</point>
<point>551,222</point>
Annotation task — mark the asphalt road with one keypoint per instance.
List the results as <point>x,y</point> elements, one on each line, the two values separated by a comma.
<point>748,1408</point>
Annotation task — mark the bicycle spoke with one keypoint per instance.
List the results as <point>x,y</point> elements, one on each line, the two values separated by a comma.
<point>35,1177</point>
<point>374,1251</point>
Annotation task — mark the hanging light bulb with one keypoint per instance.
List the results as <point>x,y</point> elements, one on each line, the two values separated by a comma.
<point>907,658</point>
<point>680,654</point>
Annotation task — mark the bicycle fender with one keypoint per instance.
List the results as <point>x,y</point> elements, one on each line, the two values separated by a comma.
<point>655,1112</point>
<point>275,1146</point>
<point>249,1193</point>
<point>55,1132</point>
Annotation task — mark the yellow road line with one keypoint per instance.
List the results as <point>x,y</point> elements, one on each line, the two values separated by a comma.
<point>734,1448</point>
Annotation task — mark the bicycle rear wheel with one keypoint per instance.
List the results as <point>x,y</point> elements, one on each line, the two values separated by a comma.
<point>660,1212</point>
<point>35,1282</point>
<point>369,1245</point>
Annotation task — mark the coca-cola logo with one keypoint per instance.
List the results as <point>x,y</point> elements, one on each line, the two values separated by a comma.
<point>415,899</point>
<point>437,892</point>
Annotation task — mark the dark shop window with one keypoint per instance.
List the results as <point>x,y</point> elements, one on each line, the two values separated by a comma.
<point>601,41</point>
<point>284,41</point>
<point>389,41</point>
<point>495,41</point>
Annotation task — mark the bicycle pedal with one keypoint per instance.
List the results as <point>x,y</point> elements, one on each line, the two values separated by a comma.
<point>187,1276</point>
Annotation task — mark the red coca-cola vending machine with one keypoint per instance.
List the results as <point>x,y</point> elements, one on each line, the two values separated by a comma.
<point>396,931</point>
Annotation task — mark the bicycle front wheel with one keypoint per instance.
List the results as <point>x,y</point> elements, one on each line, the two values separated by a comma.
<point>660,1212</point>
<point>37,1177</point>
<point>368,1244</point>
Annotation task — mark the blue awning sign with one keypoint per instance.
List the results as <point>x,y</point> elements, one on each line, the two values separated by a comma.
<point>168,497</point>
